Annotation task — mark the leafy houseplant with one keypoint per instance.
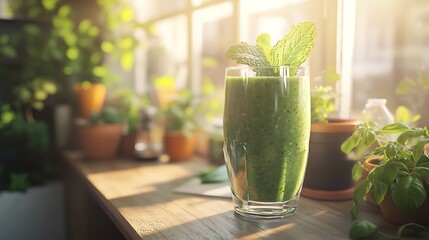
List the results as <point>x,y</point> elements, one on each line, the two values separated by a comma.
<point>101,133</point>
<point>401,180</point>
<point>132,106</point>
<point>328,169</point>
<point>24,146</point>
<point>181,119</point>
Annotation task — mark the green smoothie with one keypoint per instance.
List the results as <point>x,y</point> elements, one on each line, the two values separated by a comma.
<point>266,131</point>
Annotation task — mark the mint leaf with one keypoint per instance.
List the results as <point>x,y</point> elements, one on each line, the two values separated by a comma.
<point>264,41</point>
<point>247,54</point>
<point>294,47</point>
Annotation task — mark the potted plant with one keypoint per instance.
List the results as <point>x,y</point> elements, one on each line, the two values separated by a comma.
<point>131,107</point>
<point>328,169</point>
<point>89,47</point>
<point>101,133</point>
<point>181,121</point>
<point>399,183</point>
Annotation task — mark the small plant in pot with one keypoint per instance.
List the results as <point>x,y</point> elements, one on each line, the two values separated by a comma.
<point>399,183</point>
<point>181,123</point>
<point>131,105</point>
<point>328,169</point>
<point>101,133</point>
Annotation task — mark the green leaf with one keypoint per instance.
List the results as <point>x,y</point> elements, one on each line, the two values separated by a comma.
<point>395,128</point>
<point>369,138</point>
<point>214,175</point>
<point>402,114</point>
<point>8,52</point>
<point>84,25</point>
<point>294,48</point>
<point>126,43</point>
<point>264,41</point>
<point>99,71</point>
<point>107,47</point>
<point>72,53</point>
<point>49,4</point>
<point>388,172</point>
<point>247,54</point>
<point>127,60</point>
<point>412,133</point>
<point>330,75</point>
<point>64,11</point>
<point>410,229</point>
<point>378,192</point>
<point>362,229</point>
<point>409,194</point>
<point>405,86</point>
<point>360,192</point>
<point>126,14</point>
<point>351,142</point>
<point>418,150</point>
<point>357,171</point>
<point>93,31</point>
<point>421,172</point>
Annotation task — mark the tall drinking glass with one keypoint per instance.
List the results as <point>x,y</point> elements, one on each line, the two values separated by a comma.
<point>266,137</point>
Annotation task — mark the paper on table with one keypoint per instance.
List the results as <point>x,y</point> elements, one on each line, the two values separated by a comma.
<point>194,186</point>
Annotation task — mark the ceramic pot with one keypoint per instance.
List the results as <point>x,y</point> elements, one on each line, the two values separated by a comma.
<point>90,98</point>
<point>328,173</point>
<point>100,141</point>
<point>394,215</point>
<point>178,146</point>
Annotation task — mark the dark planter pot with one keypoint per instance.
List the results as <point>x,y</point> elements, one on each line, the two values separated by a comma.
<point>328,173</point>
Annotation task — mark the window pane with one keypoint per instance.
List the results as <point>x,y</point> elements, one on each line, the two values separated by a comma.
<point>390,45</point>
<point>167,51</point>
<point>212,35</point>
<point>152,9</point>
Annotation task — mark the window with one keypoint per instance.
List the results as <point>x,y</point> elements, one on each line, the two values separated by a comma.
<point>391,44</point>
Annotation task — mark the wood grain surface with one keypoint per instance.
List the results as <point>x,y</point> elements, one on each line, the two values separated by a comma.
<point>139,199</point>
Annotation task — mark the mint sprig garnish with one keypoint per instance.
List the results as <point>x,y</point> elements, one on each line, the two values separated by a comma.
<point>292,50</point>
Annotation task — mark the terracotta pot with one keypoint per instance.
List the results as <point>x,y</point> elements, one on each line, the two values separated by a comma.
<point>393,214</point>
<point>179,146</point>
<point>90,98</point>
<point>328,173</point>
<point>100,141</point>
<point>128,143</point>
<point>368,165</point>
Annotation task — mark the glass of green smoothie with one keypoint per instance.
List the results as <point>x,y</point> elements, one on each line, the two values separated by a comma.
<point>266,137</point>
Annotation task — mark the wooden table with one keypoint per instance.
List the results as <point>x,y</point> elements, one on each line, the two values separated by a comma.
<point>138,198</point>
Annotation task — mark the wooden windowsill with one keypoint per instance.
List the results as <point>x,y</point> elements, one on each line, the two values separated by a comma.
<point>138,197</point>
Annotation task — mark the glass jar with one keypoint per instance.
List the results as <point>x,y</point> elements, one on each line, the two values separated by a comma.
<point>376,111</point>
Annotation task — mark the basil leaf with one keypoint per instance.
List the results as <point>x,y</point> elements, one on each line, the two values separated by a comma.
<point>357,171</point>
<point>362,229</point>
<point>395,128</point>
<point>409,194</point>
